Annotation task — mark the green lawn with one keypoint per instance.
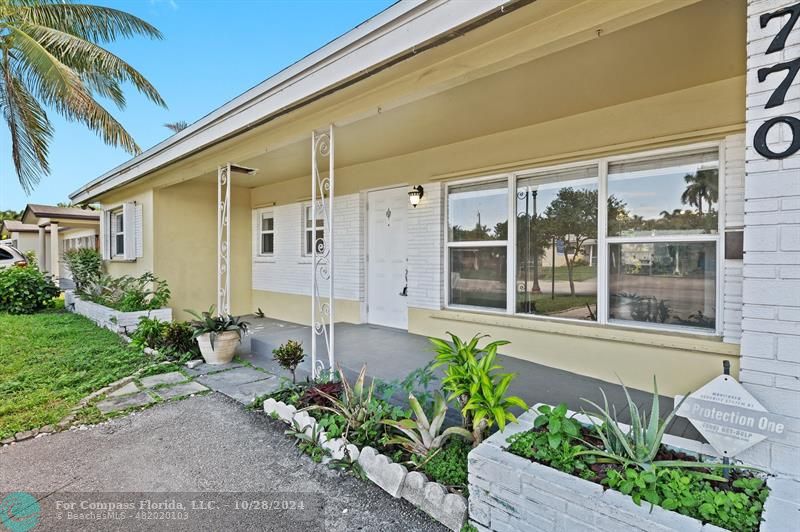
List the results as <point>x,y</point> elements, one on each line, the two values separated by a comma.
<point>50,361</point>
<point>545,305</point>
<point>579,273</point>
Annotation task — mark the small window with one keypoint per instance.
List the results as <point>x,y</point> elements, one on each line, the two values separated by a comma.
<point>267,233</point>
<point>313,233</point>
<point>117,234</point>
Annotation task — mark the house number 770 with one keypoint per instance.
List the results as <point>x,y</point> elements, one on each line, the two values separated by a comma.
<point>778,97</point>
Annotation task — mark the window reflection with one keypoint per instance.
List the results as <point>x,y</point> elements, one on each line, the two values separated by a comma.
<point>478,276</point>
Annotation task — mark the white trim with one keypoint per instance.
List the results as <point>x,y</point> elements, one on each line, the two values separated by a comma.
<point>401,28</point>
<point>260,216</point>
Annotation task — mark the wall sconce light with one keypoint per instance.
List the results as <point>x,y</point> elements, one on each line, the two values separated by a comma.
<point>415,195</point>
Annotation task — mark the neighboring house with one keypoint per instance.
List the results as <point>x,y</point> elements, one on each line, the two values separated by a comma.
<point>76,228</point>
<point>625,127</point>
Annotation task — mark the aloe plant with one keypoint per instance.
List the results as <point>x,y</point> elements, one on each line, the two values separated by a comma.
<point>353,404</point>
<point>421,435</point>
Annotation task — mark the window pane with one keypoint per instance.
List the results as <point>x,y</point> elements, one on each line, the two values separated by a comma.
<point>119,219</point>
<point>670,283</point>
<point>557,244</point>
<point>669,195</point>
<point>267,223</point>
<point>267,242</point>
<point>120,245</point>
<point>478,277</point>
<point>478,212</point>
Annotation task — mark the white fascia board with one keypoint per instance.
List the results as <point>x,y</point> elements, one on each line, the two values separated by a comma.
<point>397,30</point>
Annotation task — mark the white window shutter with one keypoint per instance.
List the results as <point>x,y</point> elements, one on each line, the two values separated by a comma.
<point>139,232</point>
<point>129,225</point>
<point>105,235</point>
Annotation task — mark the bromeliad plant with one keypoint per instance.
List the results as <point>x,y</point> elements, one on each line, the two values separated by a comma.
<point>213,324</point>
<point>353,404</point>
<point>422,436</point>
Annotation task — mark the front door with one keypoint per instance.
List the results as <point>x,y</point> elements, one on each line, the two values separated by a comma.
<point>386,264</point>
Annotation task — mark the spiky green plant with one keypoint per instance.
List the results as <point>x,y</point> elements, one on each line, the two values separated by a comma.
<point>421,435</point>
<point>353,404</point>
<point>213,324</point>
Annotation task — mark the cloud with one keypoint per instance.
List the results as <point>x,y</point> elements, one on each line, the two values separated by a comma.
<point>171,3</point>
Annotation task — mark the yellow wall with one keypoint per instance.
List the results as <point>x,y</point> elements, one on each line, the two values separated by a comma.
<point>186,241</point>
<point>680,362</point>
<point>142,196</point>
<point>297,308</point>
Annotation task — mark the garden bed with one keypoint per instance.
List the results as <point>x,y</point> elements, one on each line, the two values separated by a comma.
<point>515,485</point>
<point>115,320</point>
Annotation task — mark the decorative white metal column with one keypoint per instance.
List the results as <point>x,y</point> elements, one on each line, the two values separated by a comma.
<point>322,193</point>
<point>223,240</point>
<point>224,177</point>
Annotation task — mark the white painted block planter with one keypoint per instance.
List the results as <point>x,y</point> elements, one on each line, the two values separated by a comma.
<point>508,492</point>
<point>450,509</point>
<point>119,322</point>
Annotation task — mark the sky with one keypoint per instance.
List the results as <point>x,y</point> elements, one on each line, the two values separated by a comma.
<point>212,51</point>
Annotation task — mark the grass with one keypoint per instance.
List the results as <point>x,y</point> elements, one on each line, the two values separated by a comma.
<point>50,361</point>
<point>545,305</point>
<point>579,273</point>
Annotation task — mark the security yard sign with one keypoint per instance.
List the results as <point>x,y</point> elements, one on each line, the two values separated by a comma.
<point>729,417</point>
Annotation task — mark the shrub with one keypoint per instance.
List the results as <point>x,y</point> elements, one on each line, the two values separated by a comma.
<point>86,266</point>
<point>312,395</point>
<point>178,338</point>
<point>289,356</point>
<point>129,294</point>
<point>25,290</point>
<point>149,333</point>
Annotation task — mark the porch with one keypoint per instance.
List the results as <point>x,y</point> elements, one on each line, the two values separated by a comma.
<point>391,354</point>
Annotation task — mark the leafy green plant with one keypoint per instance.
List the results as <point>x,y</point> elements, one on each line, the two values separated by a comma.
<point>289,356</point>
<point>373,431</point>
<point>421,436</point>
<point>213,325</point>
<point>129,294</point>
<point>689,493</point>
<point>488,404</point>
<point>25,290</point>
<point>149,333</point>
<point>178,338</point>
<point>333,424</point>
<point>312,395</point>
<point>310,444</point>
<point>86,266</point>
<point>448,466</point>
<point>554,442</point>
<point>353,404</point>
<point>458,358</point>
<point>417,382</point>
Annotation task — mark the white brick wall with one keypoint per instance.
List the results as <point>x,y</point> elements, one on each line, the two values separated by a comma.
<point>289,271</point>
<point>425,241</point>
<point>771,286</point>
<point>733,149</point>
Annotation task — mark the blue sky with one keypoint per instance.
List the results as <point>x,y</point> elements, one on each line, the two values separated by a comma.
<point>212,51</point>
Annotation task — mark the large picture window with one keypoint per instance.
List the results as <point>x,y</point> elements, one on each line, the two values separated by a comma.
<point>631,240</point>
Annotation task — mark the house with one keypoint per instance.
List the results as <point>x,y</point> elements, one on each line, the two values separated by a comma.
<point>76,228</point>
<point>430,165</point>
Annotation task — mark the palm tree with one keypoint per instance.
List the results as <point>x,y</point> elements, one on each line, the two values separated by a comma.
<point>50,57</point>
<point>702,185</point>
<point>178,126</point>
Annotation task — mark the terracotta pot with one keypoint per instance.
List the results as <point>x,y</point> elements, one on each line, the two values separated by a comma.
<point>223,350</point>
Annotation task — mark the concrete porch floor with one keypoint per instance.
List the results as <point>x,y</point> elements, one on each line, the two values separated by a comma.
<point>391,354</point>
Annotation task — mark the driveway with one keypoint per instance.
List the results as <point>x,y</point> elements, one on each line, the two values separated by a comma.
<point>187,452</point>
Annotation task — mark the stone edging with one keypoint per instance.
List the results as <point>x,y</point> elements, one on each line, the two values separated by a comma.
<point>450,509</point>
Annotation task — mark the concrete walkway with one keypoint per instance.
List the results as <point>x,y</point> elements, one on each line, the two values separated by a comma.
<point>192,450</point>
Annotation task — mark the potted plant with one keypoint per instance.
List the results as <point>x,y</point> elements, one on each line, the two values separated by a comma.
<point>217,335</point>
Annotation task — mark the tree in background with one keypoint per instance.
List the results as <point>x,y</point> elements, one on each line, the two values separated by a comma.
<point>177,127</point>
<point>8,215</point>
<point>701,185</point>
<point>50,57</point>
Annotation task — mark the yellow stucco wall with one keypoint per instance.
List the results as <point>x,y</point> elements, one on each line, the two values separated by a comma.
<point>185,246</point>
<point>297,308</point>
<point>142,195</point>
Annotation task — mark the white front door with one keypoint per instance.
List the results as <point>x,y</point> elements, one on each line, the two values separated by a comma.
<point>386,265</point>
